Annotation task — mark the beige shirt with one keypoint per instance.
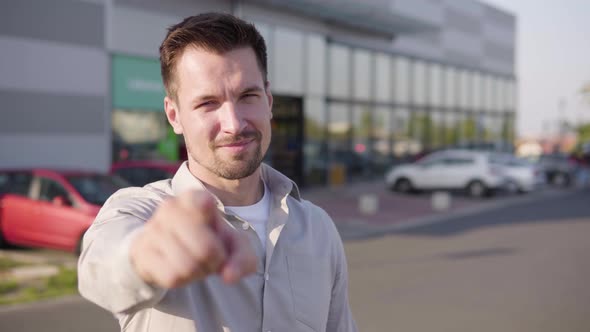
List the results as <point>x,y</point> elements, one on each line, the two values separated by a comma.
<point>301,283</point>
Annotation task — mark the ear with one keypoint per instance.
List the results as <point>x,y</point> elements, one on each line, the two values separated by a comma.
<point>268,96</point>
<point>173,114</point>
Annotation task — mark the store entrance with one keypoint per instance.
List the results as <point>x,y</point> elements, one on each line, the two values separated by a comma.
<point>285,153</point>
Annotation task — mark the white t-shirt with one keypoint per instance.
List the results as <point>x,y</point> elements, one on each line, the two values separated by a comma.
<point>256,214</point>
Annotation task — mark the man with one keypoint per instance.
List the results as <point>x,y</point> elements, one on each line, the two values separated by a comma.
<point>228,244</point>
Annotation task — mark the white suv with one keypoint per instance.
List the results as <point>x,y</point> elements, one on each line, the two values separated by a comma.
<point>477,172</point>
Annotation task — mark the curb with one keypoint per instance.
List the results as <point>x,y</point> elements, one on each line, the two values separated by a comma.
<point>359,229</point>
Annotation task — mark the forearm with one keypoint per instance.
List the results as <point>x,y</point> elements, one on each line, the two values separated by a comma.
<point>105,273</point>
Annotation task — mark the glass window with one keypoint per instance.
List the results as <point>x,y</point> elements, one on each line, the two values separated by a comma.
<point>383,86</point>
<point>382,134</point>
<point>288,61</point>
<point>419,83</point>
<point>450,97</point>
<point>362,75</point>
<point>508,128</point>
<point>452,128</point>
<point>401,81</point>
<point>502,94</point>
<point>137,134</point>
<point>51,189</point>
<point>17,183</point>
<point>419,124</point>
<point>511,96</point>
<point>96,189</point>
<point>469,127</point>
<point>435,86</point>
<point>316,62</point>
<point>339,64</point>
<point>464,91</point>
<point>476,101</point>
<point>437,129</point>
<point>403,144</point>
<point>315,148</point>
<point>487,93</point>
<point>339,128</point>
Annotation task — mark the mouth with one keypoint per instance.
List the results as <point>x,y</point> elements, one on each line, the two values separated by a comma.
<point>237,144</point>
<point>237,147</point>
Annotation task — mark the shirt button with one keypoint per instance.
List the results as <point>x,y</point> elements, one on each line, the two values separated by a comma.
<point>266,277</point>
<point>245,226</point>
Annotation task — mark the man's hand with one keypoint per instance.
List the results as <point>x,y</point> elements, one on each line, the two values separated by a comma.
<point>187,240</point>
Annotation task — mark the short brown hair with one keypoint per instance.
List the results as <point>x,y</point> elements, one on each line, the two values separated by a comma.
<point>213,32</point>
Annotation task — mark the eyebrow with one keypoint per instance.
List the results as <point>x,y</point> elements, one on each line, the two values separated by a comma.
<point>252,88</point>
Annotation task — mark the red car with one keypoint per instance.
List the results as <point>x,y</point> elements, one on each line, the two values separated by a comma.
<point>49,208</point>
<point>141,172</point>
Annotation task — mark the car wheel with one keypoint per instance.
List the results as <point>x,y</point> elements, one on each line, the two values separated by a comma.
<point>513,187</point>
<point>476,189</point>
<point>403,185</point>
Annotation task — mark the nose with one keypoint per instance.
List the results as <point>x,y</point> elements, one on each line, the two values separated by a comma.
<point>230,119</point>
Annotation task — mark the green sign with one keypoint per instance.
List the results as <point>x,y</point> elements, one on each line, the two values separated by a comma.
<point>137,83</point>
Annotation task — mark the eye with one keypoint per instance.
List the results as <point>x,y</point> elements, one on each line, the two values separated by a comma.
<point>205,104</point>
<point>250,97</point>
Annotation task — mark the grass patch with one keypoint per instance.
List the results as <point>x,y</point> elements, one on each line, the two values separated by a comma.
<point>7,286</point>
<point>63,283</point>
<point>7,264</point>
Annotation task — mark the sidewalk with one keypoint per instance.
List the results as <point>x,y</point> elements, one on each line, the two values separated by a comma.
<point>344,203</point>
<point>396,212</point>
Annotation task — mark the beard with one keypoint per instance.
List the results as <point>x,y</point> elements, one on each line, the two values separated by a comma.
<point>237,166</point>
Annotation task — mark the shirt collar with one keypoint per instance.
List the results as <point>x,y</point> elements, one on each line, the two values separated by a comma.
<point>279,184</point>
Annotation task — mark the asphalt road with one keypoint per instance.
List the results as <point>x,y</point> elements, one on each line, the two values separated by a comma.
<point>520,268</point>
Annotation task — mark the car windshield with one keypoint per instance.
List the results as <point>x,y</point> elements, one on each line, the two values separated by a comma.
<point>96,189</point>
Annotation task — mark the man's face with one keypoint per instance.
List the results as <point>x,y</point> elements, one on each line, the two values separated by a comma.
<point>223,109</point>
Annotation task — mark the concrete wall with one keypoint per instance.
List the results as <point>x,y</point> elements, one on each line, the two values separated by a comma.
<point>53,85</point>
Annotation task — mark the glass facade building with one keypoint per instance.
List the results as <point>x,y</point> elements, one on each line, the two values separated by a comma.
<point>358,86</point>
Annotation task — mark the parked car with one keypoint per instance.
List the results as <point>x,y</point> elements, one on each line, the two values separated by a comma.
<point>476,172</point>
<point>522,175</point>
<point>141,172</point>
<point>559,169</point>
<point>50,208</point>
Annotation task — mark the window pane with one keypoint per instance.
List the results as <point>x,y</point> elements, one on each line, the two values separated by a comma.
<point>511,96</point>
<point>435,84</point>
<point>288,62</point>
<point>316,62</point>
<point>464,90</point>
<point>314,150</point>
<point>436,128</point>
<point>339,126</point>
<point>361,140</point>
<point>362,75</point>
<point>382,134</point>
<point>450,97</point>
<point>469,127</point>
<point>402,144</point>
<point>419,82</point>
<point>339,63</point>
<point>419,124</point>
<point>452,128</point>
<point>401,80</point>
<point>508,128</point>
<point>476,101</point>
<point>383,88</point>
<point>487,93</point>
<point>361,128</point>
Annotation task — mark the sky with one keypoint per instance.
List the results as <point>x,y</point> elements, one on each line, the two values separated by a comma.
<point>552,62</point>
